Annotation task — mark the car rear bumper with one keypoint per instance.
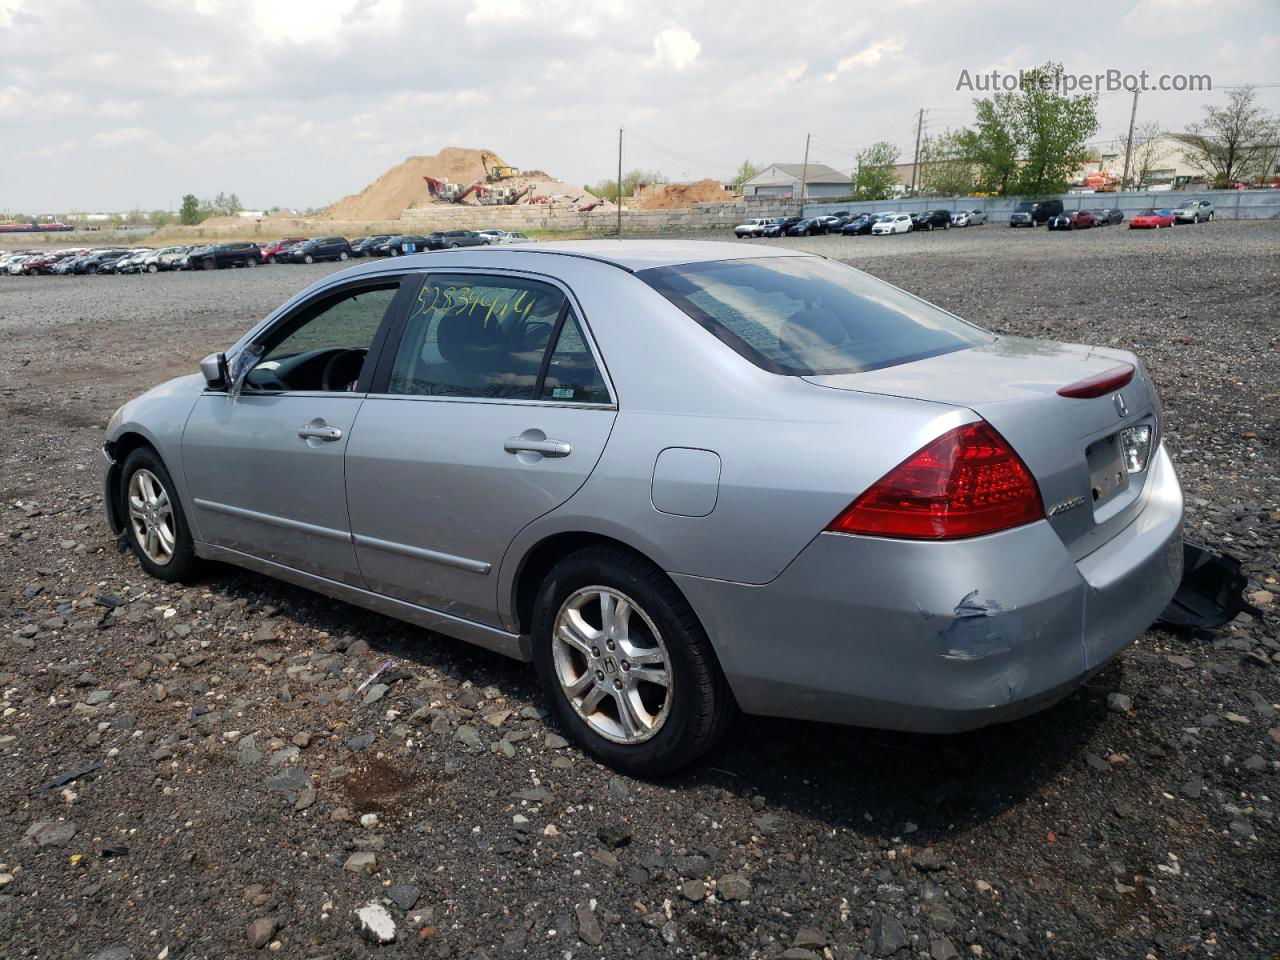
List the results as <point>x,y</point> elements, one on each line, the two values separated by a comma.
<point>942,637</point>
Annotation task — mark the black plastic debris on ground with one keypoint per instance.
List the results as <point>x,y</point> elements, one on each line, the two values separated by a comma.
<point>1211,593</point>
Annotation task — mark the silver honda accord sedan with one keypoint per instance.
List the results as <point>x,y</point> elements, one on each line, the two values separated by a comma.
<point>683,478</point>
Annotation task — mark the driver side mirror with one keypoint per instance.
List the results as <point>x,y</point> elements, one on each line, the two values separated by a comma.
<point>214,368</point>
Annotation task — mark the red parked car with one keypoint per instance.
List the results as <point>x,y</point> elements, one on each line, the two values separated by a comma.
<point>1072,220</point>
<point>272,250</point>
<point>1152,220</point>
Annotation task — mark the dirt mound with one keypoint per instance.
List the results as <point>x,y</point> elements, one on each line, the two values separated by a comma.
<point>402,186</point>
<point>672,196</point>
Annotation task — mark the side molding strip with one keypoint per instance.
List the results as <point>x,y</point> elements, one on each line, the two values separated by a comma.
<point>270,518</point>
<point>516,646</point>
<point>420,553</point>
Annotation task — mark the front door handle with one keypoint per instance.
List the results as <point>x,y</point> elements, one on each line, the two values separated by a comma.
<point>317,431</point>
<point>535,441</point>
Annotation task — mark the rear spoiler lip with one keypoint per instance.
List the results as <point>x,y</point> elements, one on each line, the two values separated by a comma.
<point>1100,384</point>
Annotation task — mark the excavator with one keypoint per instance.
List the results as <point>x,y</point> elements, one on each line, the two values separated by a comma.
<point>495,171</point>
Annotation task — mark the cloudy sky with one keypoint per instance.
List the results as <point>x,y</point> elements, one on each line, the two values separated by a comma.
<point>111,106</point>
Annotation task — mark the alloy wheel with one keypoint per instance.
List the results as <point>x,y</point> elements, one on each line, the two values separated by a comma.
<point>612,664</point>
<point>151,516</point>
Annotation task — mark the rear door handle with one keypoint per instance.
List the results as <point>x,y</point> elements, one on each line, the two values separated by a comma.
<point>548,448</point>
<point>318,430</point>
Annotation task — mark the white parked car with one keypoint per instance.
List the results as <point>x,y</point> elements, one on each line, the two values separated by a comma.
<point>751,228</point>
<point>968,218</point>
<point>890,223</point>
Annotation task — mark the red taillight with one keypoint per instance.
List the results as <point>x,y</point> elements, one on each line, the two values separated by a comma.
<point>1100,384</point>
<point>966,483</point>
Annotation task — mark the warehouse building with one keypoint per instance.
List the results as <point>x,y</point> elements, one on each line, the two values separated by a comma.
<point>783,180</point>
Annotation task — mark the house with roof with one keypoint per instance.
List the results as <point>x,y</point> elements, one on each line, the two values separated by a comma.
<point>783,180</point>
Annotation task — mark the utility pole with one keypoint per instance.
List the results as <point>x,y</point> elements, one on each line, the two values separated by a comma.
<point>1128,148</point>
<point>915,164</point>
<point>619,183</point>
<point>804,174</point>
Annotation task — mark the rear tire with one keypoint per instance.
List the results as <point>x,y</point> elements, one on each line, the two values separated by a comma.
<point>169,554</point>
<point>344,255</point>
<point>669,726</point>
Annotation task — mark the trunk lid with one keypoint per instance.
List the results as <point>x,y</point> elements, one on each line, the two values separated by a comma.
<point>1070,445</point>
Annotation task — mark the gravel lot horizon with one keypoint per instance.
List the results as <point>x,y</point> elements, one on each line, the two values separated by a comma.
<point>186,771</point>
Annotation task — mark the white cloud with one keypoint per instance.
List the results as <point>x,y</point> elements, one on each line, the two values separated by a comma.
<point>675,47</point>
<point>121,136</point>
<point>497,11</point>
<point>301,21</point>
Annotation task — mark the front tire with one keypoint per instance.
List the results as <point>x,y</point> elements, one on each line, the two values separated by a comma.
<point>626,665</point>
<point>155,525</point>
<point>308,259</point>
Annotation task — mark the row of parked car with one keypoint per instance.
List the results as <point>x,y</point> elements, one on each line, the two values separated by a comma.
<point>216,256</point>
<point>1029,213</point>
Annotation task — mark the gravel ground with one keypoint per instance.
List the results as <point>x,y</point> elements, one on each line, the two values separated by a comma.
<point>231,793</point>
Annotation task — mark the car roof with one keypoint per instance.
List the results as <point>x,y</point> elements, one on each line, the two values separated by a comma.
<point>629,255</point>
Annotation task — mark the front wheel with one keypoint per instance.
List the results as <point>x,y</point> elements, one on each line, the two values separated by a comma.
<point>308,259</point>
<point>251,263</point>
<point>1210,216</point>
<point>626,664</point>
<point>152,268</point>
<point>154,522</point>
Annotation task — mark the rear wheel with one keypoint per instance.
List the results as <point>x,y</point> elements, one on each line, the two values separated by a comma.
<point>344,255</point>
<point>251,262</point>
<point>154,522</point>
<point>1210,215</point>
<point>628,668</point>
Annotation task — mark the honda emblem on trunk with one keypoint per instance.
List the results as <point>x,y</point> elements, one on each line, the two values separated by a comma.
<point>1122,408</point>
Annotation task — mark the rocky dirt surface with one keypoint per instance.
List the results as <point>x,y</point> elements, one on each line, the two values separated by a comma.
<point>193,771</point>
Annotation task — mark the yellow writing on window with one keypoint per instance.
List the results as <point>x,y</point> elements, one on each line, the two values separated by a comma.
<point>486,303</point>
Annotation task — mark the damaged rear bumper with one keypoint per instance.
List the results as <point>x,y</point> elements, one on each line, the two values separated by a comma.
<point>946,636</point>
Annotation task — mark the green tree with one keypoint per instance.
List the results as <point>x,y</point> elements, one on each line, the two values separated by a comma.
<point>876,176</point>
<point>745,173</point>
<point>945,167</point>
<point>1234,143</point>
<point>630,181</point>
<point>189,212</point>
<point>1032,140</point>
<point>991,148</point>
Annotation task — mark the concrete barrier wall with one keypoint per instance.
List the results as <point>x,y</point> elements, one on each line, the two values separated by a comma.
<point>1231,204</point>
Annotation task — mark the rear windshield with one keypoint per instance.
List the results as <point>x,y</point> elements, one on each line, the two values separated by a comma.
<point>807,316</point>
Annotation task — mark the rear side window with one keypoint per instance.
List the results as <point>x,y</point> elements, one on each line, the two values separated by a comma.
<point>572,375</point>
<point>807,316</point>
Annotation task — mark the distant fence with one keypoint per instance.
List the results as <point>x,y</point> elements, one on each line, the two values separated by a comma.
<point>1229,204</point>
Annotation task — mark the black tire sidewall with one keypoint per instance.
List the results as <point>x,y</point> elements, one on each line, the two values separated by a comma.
<point>183,562</point>
<point>671,748</point>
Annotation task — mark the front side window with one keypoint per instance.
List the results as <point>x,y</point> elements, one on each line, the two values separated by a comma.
<point>804,316</point>
<point>324,346</point>
<point>491,338</point>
